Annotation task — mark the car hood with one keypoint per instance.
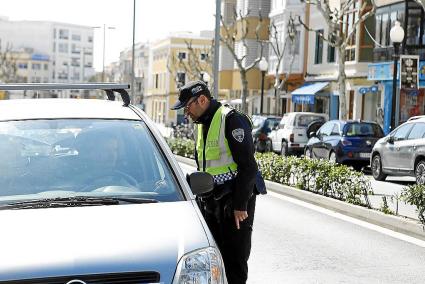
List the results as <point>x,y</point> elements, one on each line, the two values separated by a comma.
<point>36,243</point>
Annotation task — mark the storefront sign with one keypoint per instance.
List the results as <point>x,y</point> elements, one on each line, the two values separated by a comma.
<point>380,71</point>
<point>303,99</point>
<point>409,75</point>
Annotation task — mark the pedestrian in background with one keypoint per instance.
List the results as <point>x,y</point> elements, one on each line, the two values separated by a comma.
<point>224,148</point>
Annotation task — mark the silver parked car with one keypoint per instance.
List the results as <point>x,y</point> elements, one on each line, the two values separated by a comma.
<point>402,152</point>
<point>91,193</point>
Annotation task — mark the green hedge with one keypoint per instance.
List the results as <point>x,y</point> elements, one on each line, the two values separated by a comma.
<point>415,195</point>
<point>318,176</point>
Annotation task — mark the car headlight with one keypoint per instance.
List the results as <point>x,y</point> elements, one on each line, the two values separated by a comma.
<point>200,266</point>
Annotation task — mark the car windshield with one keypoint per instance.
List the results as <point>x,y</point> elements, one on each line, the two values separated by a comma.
<point>363,129</point>
<point>82,157</point>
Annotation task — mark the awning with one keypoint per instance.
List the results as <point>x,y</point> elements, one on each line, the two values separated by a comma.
<point>305,94</point>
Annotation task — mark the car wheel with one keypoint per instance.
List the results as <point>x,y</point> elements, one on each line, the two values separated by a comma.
<point>420,172</point>
<point>284,149</point>
<point>377,168</point>
<point>308,153</point>
<point>332,157</point>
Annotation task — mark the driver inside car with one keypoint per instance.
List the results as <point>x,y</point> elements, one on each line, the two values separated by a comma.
<point>99,153</point>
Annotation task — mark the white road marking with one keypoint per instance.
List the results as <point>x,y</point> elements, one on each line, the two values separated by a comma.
<point>358,222</point>
<point>364,224</point>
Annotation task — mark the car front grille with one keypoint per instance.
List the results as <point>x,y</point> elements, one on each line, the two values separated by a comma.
<point>111,278</point>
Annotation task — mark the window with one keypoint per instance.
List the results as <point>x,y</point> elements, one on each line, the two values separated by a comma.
<point>23,65</point>
<point>319,47</point>
<point>363,129</point>
<point>331,53</point>
<point>90,39</point>
<point>401,132</point>
<point>156,80</point>
<point>63,34</point>
<point>46,66</point>
<point>335,130</point>
<point>54,46</point>
<point>305,120</point>
<point>75,49</point>
<point>182,55</point>
<point>76,37</point>
<point>418,131</point>
<point>181,79</point>
<point>75,62</point>
<point>36,66</point>
<point>326,129</point>
<point>63,47</point>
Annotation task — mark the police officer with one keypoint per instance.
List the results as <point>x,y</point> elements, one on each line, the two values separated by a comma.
<point>224,148</point>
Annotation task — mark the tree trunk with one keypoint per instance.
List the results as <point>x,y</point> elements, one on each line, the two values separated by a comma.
<point>341,83</point>
<point>244,92</point>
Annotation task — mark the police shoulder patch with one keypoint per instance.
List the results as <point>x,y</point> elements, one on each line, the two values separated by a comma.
<point>238,134</point>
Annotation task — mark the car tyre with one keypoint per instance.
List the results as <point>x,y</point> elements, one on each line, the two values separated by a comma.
<point>420,172</point>
<point>284,149</point>
<point>332,157</point>
<point>377,168</point>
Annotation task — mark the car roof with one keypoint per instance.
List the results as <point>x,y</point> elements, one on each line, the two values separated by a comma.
<point>21,109</point>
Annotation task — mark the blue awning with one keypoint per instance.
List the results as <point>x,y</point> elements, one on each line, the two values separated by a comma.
<point>305,94</point>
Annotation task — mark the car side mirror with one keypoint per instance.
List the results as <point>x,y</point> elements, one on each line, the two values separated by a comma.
<point>391,140</point>
<point>201,182</point>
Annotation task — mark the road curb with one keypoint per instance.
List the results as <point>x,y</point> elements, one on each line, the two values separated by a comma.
<point>394,223</point>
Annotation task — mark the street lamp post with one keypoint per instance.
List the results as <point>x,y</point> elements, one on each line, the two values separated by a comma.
<point>104,37</point>
<point>263,68</point>
<point>397,36</point>
<point>133,91</point>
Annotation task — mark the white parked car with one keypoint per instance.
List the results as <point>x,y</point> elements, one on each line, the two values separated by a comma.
<point>91,193</point>
<point>290,136</point>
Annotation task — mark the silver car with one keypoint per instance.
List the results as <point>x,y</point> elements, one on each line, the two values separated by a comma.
<point>402,152</point>
<point>91,193</point>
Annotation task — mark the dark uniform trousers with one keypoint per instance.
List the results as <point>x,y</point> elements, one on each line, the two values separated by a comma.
<point>234,244</point>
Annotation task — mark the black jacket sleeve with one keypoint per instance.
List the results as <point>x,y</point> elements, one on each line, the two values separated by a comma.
<point>239,136</point>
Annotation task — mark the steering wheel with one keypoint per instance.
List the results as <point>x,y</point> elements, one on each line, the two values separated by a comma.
<point>108,178</point>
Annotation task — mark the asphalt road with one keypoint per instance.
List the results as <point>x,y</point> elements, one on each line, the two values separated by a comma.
<point>296,242</point>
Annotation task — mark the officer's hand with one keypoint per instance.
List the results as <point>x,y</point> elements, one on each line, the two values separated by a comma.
<point>240,216</point>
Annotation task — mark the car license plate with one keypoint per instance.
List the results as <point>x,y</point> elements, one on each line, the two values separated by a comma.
<point>364,155</point>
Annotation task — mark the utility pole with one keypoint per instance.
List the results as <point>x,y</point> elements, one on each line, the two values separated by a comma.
<point>133,93</point>
<point>217,45</point>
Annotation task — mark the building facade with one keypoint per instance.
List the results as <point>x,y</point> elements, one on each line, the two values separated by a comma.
<point>69,47</point>
<point>321,91</point>
<point>411,16</point>
<point>246,46</point>
<point>173,61</point>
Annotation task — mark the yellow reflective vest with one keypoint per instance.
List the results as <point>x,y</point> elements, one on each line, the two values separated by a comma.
<point>218,158</point>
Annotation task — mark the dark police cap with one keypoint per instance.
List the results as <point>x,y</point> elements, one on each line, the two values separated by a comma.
<point>190,90</point>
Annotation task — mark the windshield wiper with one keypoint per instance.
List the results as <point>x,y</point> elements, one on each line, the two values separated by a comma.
<point>74,201</point>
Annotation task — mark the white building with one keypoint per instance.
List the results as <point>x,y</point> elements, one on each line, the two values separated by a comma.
<point>69,47</point>
<point>141,66</point>
<point>293,62</point>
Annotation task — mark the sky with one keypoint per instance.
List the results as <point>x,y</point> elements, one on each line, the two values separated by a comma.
<point>155,19</point>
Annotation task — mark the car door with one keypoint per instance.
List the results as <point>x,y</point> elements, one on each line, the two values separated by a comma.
<point>413,144</point>
<point>280,133</point>
<point>329,142</point>
<point>391,153</point>
<point>318,148</point>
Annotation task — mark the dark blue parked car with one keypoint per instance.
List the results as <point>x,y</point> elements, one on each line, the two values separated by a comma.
<point>346,142</point>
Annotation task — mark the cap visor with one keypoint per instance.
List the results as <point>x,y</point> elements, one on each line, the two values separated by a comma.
<point>178,105</point>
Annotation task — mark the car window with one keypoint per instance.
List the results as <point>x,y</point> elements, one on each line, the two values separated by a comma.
<point>326,129</point>
<point>402,131</point>
<point>335,129</point>
<point>305,120</point>
<point>271,123</point>
<point>363,129</point>
<point>258,121</point>
<point>418,131</point>
<point>285,121</point>
<point>58,158</point>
